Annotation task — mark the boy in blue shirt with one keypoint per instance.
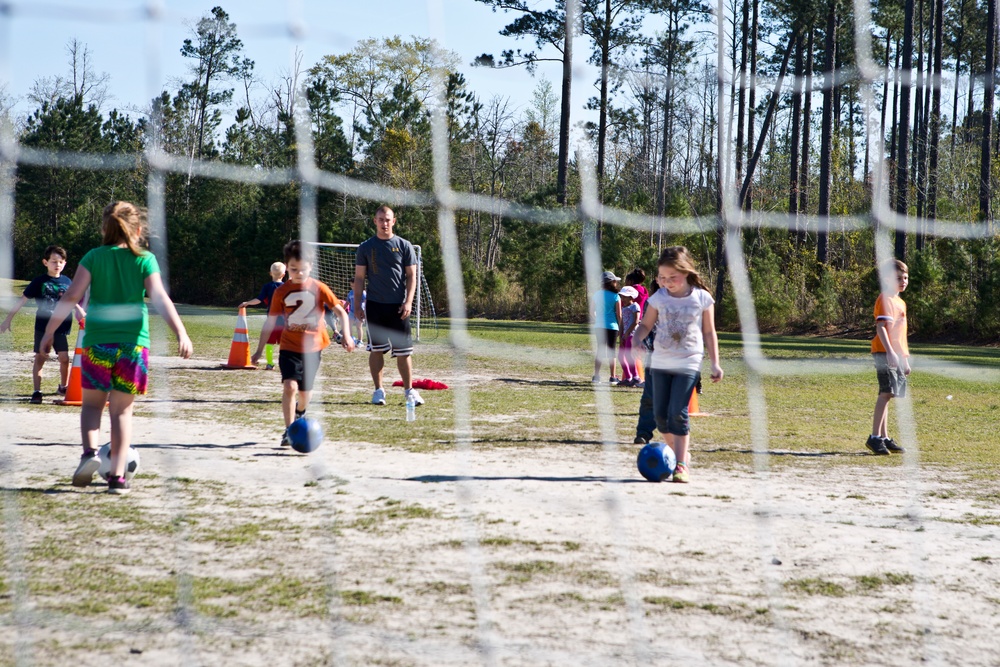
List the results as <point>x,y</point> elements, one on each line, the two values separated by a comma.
<point>264,298</point>
<point>46,290</point>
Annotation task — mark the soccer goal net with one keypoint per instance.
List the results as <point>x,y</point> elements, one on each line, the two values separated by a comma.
<point>335,267</point>
<point>509,525</point>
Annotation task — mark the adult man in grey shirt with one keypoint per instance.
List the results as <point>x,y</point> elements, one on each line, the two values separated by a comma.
<point>389,264</point>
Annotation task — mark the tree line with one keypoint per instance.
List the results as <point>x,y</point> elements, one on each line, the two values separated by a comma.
<point>797,138</point>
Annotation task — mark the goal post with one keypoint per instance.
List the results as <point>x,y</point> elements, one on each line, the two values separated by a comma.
<point>335,267</point>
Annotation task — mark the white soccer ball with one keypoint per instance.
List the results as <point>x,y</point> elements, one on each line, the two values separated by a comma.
<point>131,467</point>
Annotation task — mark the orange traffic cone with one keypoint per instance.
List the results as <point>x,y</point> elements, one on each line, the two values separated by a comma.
<point>639,372</point>
<point>74,390</point>
<point>693,406</point>
<point>239,351</point>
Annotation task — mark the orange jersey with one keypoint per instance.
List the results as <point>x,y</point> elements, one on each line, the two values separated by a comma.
<point>891,310</point>
<point>303,306</point>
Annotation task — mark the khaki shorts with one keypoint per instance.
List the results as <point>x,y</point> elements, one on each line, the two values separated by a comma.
<point>890,380</point>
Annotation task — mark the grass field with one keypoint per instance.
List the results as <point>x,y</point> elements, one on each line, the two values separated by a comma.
<point>536,544</point>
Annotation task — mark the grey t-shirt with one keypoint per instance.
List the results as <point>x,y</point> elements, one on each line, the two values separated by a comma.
<point>384,262</point>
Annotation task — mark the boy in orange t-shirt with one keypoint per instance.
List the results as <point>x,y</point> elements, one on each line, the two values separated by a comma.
<point>892,358</point>
<point>302,301</point>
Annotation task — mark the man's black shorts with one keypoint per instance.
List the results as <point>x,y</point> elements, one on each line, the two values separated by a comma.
<point>387,330</point>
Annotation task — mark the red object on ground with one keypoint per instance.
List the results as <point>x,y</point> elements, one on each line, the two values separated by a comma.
<point>423,383</point>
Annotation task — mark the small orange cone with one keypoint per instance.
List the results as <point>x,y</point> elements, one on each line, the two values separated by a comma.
<point>239,351</point>
<point>74,390</point>
<point>693,406</point>
<point>639,373</point>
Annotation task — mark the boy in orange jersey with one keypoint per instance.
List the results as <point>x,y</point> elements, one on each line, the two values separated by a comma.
<point>302,301</point>
<point>892,358</point>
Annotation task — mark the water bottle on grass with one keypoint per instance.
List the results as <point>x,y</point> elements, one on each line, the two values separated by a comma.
<point>411,408</point>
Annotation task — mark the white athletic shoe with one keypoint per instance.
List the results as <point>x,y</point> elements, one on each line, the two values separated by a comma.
<point>416,397</point>
<point>378,398</point>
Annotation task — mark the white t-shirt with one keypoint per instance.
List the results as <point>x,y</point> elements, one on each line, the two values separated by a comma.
<point>679,344</point>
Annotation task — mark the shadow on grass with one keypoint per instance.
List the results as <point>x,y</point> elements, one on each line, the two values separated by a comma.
<point>508,326</point>
<point>43,492</point>
<point>217,401</point>
<point>775,452</point>
<point>568,384</point>
<point>524,478</point>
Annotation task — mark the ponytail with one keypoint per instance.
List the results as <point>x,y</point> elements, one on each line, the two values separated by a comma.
<point>124,223</point>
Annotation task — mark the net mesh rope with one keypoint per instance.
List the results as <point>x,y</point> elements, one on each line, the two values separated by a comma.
<point>487,646</point>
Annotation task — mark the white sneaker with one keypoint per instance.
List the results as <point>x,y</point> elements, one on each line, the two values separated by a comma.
<point>416,397</point>
<point>378,398</point>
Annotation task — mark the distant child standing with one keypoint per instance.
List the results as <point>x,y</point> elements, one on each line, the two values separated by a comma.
<point>683,312</point>
<point>120,274</point>
<point>892,358</point>
<point>607,311</point>
<point>266,292</point>
<point>637,279</point>
<point>630,319</point>
<point>46,290</point>
<point>353,305</point>
<point>303,302</point>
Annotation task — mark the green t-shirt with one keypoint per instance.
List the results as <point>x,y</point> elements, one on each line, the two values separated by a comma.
<point>117,310</point>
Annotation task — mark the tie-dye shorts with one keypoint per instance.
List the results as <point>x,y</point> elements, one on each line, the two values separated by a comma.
<point>118,367</point>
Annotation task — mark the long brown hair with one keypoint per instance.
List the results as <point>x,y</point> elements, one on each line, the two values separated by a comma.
<point>678,258</point>
<point>124,223</point>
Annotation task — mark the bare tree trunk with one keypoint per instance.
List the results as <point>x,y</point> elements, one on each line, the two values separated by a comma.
<point>935,130</point>
<point>602,125</point>
<point>893,134</point>
<point>752,103</point>
<point>989,81</point>
<point>885,95</point>
<point>720,232</point>
<point>959,34</point>
<point>741,112</point>
<point>806,125</point>
<point>902,163</point>
<point>826,134</point>
<point>793,168</point>
<point>919,120</point>
<point>772,104</point>
<point>564,113</point>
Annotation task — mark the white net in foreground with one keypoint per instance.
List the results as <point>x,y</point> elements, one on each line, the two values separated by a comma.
<point>468,541</point>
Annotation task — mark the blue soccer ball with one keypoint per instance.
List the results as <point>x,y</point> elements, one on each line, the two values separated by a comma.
<point>306,434</point>
<point>656,462</point>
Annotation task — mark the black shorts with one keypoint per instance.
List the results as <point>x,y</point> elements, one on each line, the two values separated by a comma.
<point>299,366</point>
<point>60,343</point>
<point>890,380</point>
<point>606,341</point>
<point>387,330</point>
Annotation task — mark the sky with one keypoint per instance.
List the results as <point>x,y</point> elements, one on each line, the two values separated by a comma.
<point>142,56</point>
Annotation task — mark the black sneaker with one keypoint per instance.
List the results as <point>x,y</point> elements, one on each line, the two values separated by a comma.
<point>877,445</point>
<point>36,398</point>
<point>61,390</point>
<point>891,446</point>
<point>89,463</point>
<point>639,440</point>
<point>118,485</point>
<point>285,440</point>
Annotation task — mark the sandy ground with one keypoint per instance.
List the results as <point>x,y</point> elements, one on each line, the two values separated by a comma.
<point>534,559</point>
